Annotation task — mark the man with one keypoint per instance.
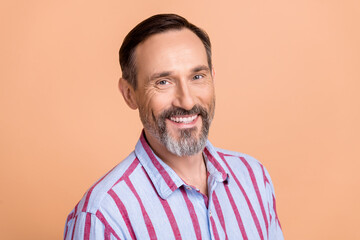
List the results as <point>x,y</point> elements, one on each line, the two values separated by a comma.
<point>175,185</point>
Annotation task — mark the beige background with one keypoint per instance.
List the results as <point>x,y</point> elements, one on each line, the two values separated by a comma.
<point>287,93</point>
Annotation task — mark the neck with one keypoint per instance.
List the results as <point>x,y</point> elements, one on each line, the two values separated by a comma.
<point>191,169</point>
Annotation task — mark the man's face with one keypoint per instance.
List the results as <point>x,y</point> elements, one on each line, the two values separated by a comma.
<point>175,93</point>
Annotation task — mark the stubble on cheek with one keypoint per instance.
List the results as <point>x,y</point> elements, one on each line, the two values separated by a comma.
<point>150,121</point>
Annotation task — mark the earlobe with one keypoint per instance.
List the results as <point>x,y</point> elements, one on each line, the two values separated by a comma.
<point>128,93</point>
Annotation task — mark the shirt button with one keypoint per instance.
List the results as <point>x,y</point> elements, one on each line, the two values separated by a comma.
<point>210,214</point>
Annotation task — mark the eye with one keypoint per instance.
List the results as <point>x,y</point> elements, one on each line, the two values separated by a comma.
<point>163,82</point>
<point>196,77</point>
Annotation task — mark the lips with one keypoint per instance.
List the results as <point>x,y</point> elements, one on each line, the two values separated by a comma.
<point>184,120</point>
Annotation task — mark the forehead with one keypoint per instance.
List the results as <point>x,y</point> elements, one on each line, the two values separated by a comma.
<point>170,51</point>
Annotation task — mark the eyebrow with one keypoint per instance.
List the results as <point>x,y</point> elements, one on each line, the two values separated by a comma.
<point>200,68</point>
<point>168,73</point>
<point>160,75</point>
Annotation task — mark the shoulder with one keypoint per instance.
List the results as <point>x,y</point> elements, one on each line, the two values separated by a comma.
<point>244,166</point>
<point>94,197</point>
<point>232,157</point>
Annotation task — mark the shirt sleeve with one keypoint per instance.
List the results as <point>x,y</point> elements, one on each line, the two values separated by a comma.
<point>85,226</point>
<point>275,230</point>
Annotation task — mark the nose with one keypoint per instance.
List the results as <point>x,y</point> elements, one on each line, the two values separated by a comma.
<point>184,97</point>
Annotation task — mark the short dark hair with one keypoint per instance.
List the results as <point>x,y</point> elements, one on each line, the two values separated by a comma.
<point>150,26</point>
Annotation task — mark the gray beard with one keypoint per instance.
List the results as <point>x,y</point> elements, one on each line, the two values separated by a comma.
<point>188,143</point>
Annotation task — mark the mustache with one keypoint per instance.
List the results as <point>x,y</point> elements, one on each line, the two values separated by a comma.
<point>176,111</point>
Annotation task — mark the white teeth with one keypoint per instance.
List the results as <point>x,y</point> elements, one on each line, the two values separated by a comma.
<point>183,120</point>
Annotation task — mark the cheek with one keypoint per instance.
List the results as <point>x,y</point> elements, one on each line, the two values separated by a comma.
<point>144,104</point>
<point>155,103</point>
<point>206,95</point>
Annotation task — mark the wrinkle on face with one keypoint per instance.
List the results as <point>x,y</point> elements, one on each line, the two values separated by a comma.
<point>178,59</point>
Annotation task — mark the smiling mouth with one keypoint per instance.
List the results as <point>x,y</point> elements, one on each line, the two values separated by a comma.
<point>184,120</point>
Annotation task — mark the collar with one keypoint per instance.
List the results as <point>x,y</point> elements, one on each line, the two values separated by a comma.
<point>164,178</point>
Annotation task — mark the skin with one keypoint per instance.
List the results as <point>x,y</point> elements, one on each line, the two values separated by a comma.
<point>172,70</point>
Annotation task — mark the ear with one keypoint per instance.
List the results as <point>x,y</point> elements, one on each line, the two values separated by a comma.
<point>128,93</point>
<point>213,72</point>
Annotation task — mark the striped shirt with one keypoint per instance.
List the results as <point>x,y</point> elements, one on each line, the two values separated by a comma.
<point>143,198</point>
